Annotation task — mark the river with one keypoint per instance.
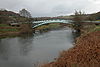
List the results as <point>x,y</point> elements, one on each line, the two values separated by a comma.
<point>30,50</point>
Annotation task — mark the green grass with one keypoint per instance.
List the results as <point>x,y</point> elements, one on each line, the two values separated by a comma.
<point>97,20</point>
<point>5,30</point>
<point>97,28</point>
<point>4,25</point>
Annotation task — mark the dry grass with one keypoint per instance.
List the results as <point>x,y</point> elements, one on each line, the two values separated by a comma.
<point>86,53</point>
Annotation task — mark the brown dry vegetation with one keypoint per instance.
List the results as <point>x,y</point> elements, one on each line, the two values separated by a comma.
<point>26,29</point>
<point>14,31</point>
<point>9,31</point>
<point>85,53</point>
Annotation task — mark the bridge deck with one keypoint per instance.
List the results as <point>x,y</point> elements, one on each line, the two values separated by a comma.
<point>46,22</point>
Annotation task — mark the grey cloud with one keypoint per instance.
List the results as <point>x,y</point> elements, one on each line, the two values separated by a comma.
<point>47,7</point>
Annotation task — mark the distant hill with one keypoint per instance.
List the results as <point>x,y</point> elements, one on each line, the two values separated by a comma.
<point>9,17</point>
<point>91,17</point>
<point>9,13</point>
<point>96,16</point>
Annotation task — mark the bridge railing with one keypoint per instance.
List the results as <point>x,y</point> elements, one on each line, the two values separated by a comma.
<point>46,22</point>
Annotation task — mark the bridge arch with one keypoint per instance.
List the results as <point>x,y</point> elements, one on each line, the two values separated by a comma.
<point>40,23</point>
<point>50,18</point>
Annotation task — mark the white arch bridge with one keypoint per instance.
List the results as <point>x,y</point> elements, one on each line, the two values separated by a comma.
<point>40,23</point>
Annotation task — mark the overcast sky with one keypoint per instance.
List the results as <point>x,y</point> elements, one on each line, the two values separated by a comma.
<point>51,7</point>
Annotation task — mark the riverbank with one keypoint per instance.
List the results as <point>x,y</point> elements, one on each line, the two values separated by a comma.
<point>7,31</point>
<point>28,51</point>
<point>85,53</point>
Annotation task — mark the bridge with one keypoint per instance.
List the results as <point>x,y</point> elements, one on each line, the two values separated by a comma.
<point>44,22</point>
<point>40,23</point>
<point>51,18</point>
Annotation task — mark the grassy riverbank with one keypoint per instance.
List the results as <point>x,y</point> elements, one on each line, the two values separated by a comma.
<point>85,53</point>
<point>7,31</point>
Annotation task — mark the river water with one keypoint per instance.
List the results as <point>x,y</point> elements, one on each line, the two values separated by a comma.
<point>30,50</point>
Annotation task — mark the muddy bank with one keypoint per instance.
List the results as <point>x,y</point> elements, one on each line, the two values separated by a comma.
<point>85,53</point>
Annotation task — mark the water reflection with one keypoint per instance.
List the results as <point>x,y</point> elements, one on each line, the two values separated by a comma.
<point>24,51</point>
<point>4,50</point>
<point>25,44</point>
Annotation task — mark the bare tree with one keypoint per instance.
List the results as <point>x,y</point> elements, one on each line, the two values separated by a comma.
<point>77,20</point>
